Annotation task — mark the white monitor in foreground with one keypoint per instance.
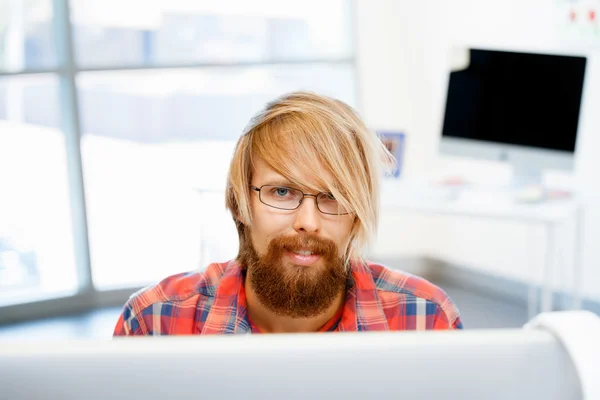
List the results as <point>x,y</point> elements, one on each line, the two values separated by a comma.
<point>486,364</point>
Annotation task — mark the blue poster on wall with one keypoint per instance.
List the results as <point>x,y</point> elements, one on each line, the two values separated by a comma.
<point>394,142</point>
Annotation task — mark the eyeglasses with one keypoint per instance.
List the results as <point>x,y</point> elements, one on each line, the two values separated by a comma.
<point>285,198</point>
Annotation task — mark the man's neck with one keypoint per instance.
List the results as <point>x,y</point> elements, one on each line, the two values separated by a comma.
<point>269,322</point>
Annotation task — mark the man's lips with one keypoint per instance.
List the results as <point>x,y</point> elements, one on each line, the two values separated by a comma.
<point>302,257</point>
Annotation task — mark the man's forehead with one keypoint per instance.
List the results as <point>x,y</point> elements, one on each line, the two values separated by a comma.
<point>264,174</point>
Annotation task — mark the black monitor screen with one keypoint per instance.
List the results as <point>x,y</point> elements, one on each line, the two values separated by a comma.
<point>516,98</point>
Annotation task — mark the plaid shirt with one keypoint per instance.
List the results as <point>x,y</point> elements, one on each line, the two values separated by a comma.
<point>214,301</point>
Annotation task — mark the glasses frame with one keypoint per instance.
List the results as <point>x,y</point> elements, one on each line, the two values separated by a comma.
<point>316,196</point>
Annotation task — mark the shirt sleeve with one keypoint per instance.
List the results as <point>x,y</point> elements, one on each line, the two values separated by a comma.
<point>457,324</point>
<point>129,324</point>
<point>443,322</point>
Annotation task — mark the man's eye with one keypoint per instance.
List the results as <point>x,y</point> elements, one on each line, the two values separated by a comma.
<point>281,191</point>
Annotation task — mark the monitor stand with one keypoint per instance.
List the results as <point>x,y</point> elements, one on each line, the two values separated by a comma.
<point>527,184</point>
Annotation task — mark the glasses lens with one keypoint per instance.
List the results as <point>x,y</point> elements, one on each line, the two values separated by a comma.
<point>281,197</point>
<point>329,205</point>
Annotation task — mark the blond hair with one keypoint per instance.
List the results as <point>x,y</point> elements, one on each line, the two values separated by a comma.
<point>306,132</point>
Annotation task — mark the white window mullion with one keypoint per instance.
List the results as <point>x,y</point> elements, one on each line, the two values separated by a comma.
<point>71,127</point>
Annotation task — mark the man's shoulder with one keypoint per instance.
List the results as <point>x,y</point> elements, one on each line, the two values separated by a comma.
<point>178,288</point>
<point>178,304</point>
<point>394,285</point>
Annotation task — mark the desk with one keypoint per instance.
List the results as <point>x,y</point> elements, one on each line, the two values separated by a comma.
<point>499,205</point>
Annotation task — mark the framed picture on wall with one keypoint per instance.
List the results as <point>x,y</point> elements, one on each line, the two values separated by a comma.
<point>394,142</point>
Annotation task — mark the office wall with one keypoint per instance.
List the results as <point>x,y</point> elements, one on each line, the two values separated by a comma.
<point>402,58</point>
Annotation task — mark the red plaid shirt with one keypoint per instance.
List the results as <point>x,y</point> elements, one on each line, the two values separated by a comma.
<point>214,301</point>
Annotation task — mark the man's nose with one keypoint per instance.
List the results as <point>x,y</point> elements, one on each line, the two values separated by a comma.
<point>308,216</point>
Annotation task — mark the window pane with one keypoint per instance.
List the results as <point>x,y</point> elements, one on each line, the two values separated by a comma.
<point>26,35</point>
<point>185,31</point>
<point>156,149</point>
<point>36,240</point>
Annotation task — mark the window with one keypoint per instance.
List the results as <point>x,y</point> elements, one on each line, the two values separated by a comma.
<point>163,32</point>
<point>26,36</point>
<point>114,151</point>
<point>36,240</point>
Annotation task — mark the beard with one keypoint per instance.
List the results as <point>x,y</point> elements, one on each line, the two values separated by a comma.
<point>291,290</point>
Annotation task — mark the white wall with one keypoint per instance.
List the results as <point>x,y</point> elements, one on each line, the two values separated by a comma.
<point>402,58</point>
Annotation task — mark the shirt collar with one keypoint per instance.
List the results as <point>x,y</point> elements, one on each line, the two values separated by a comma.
<point>362,310</point>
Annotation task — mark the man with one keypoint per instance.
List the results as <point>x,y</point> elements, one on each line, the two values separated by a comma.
<point>303,190</point>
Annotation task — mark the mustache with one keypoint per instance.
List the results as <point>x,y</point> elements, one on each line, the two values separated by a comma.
<point>314,244</point>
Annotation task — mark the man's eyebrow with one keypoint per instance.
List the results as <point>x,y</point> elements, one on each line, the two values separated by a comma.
<point>286,183</point>
<point>279,182</point>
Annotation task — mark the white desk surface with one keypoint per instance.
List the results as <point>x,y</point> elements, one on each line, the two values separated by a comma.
<point>486,203</point>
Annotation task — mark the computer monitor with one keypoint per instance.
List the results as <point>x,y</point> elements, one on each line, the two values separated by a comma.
<point>518,107</point>
<point>485,364</point>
